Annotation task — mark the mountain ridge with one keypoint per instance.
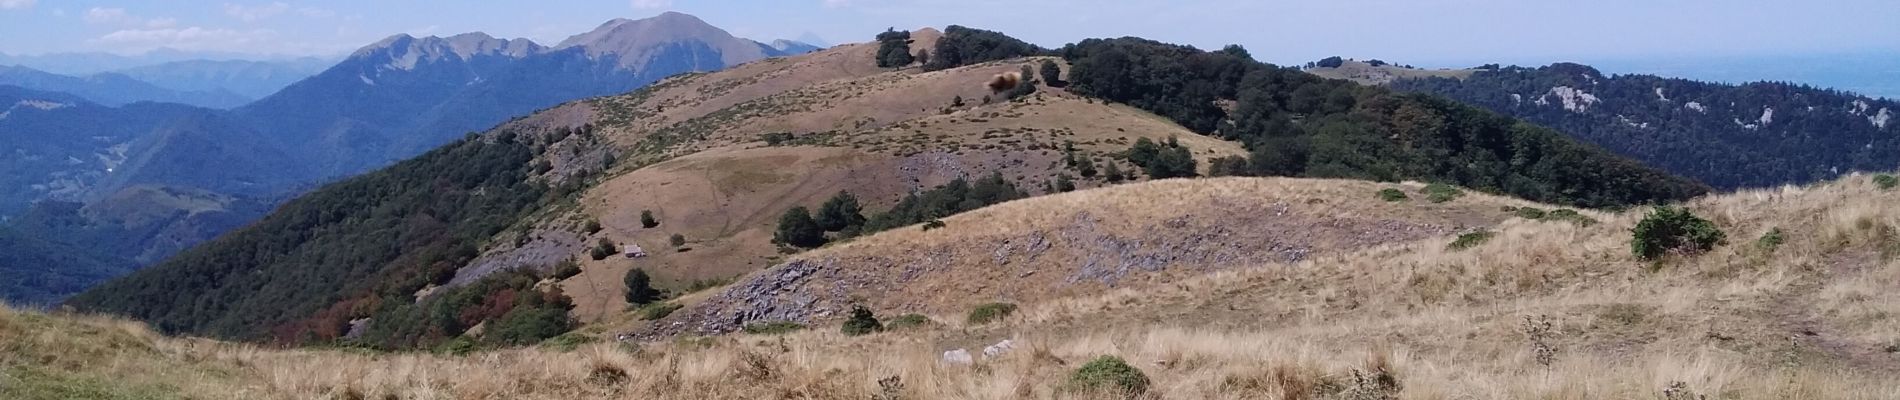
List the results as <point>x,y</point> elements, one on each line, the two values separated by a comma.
<point>408,95</point>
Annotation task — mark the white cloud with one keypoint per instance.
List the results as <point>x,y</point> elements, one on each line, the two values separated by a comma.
<point>161,22</point>
<point>16,4</point>
<point>111,16</point>
<point>188,38</point>
<point>314,12</point>
<point>651,4</point>
<point>255,13</point>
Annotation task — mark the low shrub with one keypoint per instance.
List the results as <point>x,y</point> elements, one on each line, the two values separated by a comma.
<point>1770,241</point>
<point>1572,216</point>
<point>1886,182</point>
<point>990,312</point>
<point>566,269</point>
<point>1109,375</point>
<point>460,345</point>
<point>1670,229</point>
<point>862,322</point>
<point>1390,194</point>
<point>1470,240</point>
<point>773,328</point>
<point>1530,213</point>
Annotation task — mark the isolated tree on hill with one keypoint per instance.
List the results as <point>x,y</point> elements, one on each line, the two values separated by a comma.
<point>797,228</point>
<point>923,56</point>
<point>640,289</point>
<point>1051,73</point>
<point>840,212</point>
<point>1331,62</point>
<point>1113,173</point>
<point>647,221</point>
<point>1068,153</point>
<point>603,249</point>
<point>893,49</point>
<point>1064,184</point>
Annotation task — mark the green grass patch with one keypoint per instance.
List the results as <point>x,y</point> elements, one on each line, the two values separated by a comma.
<point>567,342</point>
<point>1530,213</point>
<point>1439,193</point>
<point>908,321</point>
<point>1571,216</point>
<point>1886,182</point>
<point>658,310</point>
<point>773,328</point>
<point>32,382</point>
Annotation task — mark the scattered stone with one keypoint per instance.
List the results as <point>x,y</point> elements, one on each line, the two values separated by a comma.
<point>958,356</point>
<point>998,349</point>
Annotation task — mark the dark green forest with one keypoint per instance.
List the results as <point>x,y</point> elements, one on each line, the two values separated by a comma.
<point>1760,134</point>
<point>36,272</point>
<point>1297,124</point>
<point>385,234</point>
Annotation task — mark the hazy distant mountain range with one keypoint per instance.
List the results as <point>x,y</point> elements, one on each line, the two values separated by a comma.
<point>251,79</point>
<point>115,89</point>
<point>387,101</point>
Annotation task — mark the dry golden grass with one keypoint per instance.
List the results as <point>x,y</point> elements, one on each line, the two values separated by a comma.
<point>886,133</point>
<point>1808,320</point>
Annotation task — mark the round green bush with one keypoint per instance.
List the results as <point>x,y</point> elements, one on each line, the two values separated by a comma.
<point>1673,228</point>
<point>1390,194</point>
<point>1109,374</point>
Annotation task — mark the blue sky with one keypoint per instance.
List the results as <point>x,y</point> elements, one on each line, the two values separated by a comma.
<point>1423,32</point>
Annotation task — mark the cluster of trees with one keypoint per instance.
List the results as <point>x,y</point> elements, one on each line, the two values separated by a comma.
<point>1024,88</point>
<point>844,218</point>
<point>378,237</point>
<point>1162,161</point>
<point>1297,124</point>
<point>962,46</point>
<point>893,49</point>
<point>1723,139</point>
<point>514,311</point>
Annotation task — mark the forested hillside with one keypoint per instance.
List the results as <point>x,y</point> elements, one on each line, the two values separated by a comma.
<point>390,232</point>
<point>25,278</point>
<point>1728,136</point>
<point>1297,124</point>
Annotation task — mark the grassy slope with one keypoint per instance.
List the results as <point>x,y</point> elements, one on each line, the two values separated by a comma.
<point>1806,320</point>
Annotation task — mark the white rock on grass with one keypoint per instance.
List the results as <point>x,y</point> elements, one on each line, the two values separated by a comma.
<point>998,349</point>
<point>958,356</point>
